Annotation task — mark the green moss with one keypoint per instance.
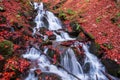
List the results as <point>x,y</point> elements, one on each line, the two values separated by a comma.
<point>115,19</point>
<point>6,48</point>
<point>51,53</point>
<point>91,36</point>
<point>62,15</point>
<point>118,14</point>
<point>70,12</point>
<point>97,46</point>
<point>108,45</point>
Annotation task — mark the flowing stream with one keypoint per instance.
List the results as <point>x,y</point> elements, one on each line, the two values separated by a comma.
<point>68,59</point>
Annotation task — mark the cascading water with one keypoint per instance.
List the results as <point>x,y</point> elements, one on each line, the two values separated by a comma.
<point>68,58</point>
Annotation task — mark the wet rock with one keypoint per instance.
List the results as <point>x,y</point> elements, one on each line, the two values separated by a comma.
<point>51,53</point>
<point>79,53</point>
<point>75,26</point>
<point>73,34</point>
<point>86,68</point>
<point>33,24</point>
<point>52,37</point>
<point>73,29</point>
<point>54,53</point>
<point>44,19</point>
<point>43,30</point>
<point>81,37</point>
<point>47,42</point>
<point>94,48</point>
<point>112,67</point>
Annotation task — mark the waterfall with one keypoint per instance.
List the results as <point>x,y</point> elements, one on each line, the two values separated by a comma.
<point>68,59</point>
<point>70,62</point>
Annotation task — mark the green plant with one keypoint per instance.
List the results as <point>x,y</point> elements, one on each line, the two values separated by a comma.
<point>78,27</point>
<point>108,45</point>
<point>115,19</point>
<point>70,12</point>
<point>98,19</point>
<point>6,47</point>
<point>118,14</point>
<point>62,15</point>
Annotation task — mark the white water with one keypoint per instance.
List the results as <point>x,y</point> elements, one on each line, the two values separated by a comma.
<point>68,58</point>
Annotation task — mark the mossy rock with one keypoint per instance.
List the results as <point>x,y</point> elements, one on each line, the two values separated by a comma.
<point>112,67</point>
<point>75,26</point>
<point>6,48</point>
<point>94,48</point>
<point>90,36</point>
<point>51,53</point>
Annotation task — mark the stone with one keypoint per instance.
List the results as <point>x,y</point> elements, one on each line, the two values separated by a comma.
<point>52,37</point>
<point>112,67</point>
